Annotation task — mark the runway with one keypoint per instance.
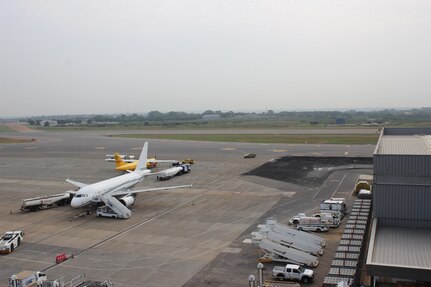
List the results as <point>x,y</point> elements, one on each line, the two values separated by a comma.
<point>173,238</point>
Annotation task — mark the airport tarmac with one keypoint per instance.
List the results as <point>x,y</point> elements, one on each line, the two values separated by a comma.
<point>190,237</point>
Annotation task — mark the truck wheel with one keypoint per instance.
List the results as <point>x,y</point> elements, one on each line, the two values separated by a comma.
<point>318,230</point>
<point>19,241</point>
<point>306,279</point>
<point>280,276</point>
<point>300,228</point>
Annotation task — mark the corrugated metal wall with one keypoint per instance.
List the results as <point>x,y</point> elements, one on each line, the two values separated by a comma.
<point>402,165</point>
<point>409,202</point>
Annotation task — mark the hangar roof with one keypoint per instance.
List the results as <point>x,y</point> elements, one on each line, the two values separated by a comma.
<point>404,145</point>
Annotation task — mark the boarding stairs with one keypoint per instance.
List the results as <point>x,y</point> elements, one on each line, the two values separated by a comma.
<point>272,225</point>
<point>280,253</point>
<point>288,241</point>
<point>116,206</point>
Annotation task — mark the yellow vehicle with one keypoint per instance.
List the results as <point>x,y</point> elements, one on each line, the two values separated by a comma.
<point>188,160</point>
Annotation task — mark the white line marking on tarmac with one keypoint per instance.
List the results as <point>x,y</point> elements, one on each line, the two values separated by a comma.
<point>288,202</point>
<point>99,147</point>
<point>35,251</point>
<point>26,260</point>
<point>96,259</point>
<point>339,184</point>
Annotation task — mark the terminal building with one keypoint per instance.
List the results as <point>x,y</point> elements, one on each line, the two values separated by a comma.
<point>399,250</point>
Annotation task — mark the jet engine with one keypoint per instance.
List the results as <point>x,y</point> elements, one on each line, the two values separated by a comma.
<point>127,200</point>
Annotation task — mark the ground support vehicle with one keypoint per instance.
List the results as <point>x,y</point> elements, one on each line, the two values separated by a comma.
<point>173,171</point>
<point>186,168</point>
<point>169,173</point>
<point>334,205</point>
<point>36,278</point>
<point>331,219</point>
<point>293,272</point>
<point>113,208</point>
<point>276,252</point>
<point>10,240</point>
<point>188,161</point>
<point>295,219</point>
<point>249,155</point>
<point>312,224</point>
<point>271,224</point>
<point>27,279</point>
<point>106,211</point>
<point>365,194</point>
<point>288,241</point>
<point>47,201</point>
<point>364,181</point>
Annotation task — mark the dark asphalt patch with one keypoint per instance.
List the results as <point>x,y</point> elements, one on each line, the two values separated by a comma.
<point>307,170</point>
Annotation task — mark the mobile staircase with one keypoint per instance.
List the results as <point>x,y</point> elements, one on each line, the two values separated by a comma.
<point>276,252</point>
<point>288,241</point>
<point>272,225</point>
<point>116,206</point>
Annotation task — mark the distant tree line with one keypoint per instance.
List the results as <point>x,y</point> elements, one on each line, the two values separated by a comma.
<point>313,118</point>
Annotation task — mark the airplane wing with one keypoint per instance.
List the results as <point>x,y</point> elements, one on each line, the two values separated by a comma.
<point>126,192</point>
<point>161,160</point>
<point>125,160</point>
<point>75,183</point>
<point>166,161</point>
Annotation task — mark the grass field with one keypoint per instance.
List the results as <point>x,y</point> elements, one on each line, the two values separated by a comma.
<point>267,138</point>
<point>4,128</point>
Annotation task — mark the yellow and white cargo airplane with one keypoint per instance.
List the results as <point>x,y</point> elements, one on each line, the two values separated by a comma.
<point>127,165</point>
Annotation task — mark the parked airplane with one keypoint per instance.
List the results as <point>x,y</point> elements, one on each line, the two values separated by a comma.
<point>116,192</point>
<point>127,165</point>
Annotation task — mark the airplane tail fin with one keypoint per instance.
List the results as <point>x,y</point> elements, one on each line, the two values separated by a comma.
<point>118,160</point>
<point>142,163</point>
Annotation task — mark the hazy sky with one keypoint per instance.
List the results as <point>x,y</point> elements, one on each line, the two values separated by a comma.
<point>105,56</point>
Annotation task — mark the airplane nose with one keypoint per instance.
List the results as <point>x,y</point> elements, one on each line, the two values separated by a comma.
<point>75,203</point>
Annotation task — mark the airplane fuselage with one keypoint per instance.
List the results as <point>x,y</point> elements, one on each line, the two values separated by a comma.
<point>90,193</point>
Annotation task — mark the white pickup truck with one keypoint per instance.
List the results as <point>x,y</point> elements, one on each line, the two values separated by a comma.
<point>293,272</point>
<point>296,218</point>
